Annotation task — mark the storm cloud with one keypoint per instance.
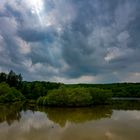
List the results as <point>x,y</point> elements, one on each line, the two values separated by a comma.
<point>71,41</point>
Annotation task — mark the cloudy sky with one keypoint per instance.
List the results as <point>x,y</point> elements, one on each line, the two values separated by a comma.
<point>71,41</point>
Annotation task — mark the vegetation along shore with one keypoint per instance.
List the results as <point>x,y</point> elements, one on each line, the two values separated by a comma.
<point>13,89</point>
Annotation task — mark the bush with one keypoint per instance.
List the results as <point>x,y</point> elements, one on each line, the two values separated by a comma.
<point>40,100</point>
<point>100,96</point>
<point>75,97</point>
<point>79,97</point>
<point>8,94</point>
<point>66,97</point>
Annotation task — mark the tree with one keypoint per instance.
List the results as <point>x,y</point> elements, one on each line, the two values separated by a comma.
<point>9,94</point>
<point>14,80</point>
<point>3,77</point>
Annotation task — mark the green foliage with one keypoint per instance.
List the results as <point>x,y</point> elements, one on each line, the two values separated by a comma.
<point>54,94</point>
<point>3,77</point>
<point>8,94</point>
<point>118,89</point>
<point>12,79</point>
<point>66,97</point>
<point>40,100</point>
<point>100,96</point>
<point>75,97</point>
<point>33,90</point>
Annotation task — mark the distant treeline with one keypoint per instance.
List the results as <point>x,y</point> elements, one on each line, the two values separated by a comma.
<point>118,89</point>
<point>12,89</point>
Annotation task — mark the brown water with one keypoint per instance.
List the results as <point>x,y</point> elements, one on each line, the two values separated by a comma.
<point>96,123</point>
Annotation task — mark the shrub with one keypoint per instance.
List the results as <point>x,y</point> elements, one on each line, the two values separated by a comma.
<point>100,96</point>
<point>66,97</point>
<point>40,100</point>
<point>8,94</point>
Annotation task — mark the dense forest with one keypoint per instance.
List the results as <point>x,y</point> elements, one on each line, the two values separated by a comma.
<point>13,89</point>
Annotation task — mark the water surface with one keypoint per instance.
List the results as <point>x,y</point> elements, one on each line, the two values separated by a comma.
<point>18,122</point>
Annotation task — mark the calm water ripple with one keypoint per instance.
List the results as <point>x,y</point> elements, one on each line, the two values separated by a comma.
<point>18,122</point>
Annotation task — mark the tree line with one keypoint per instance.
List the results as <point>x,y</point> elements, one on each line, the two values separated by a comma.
<point>13,88</point>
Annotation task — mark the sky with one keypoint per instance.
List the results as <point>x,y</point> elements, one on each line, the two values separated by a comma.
<point>71,41</point>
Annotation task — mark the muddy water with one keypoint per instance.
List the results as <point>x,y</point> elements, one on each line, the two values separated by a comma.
<point>96,123</point>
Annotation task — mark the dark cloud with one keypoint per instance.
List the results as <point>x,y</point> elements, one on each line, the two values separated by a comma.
<point>71,41</point>
<point>32,35</point>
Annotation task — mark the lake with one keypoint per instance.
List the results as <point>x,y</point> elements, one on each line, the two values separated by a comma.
<point>28,122</point>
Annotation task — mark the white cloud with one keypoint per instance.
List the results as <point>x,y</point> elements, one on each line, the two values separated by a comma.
<point>131,77</point>
<point>74,39</point>
<point>23,46</point>
<point>116,53</point>
<point>9,25</point>
<point>123,37</point>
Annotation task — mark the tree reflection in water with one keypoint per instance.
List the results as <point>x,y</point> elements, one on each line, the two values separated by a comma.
<point>76,115</point>
<point>12,112</point>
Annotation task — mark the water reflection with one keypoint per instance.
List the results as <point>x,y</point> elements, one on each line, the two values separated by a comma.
<point>126,105</point>
<point>76,115</point>
<point>61,116</point>
<point>10,112</point>
<point>19,122</point>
